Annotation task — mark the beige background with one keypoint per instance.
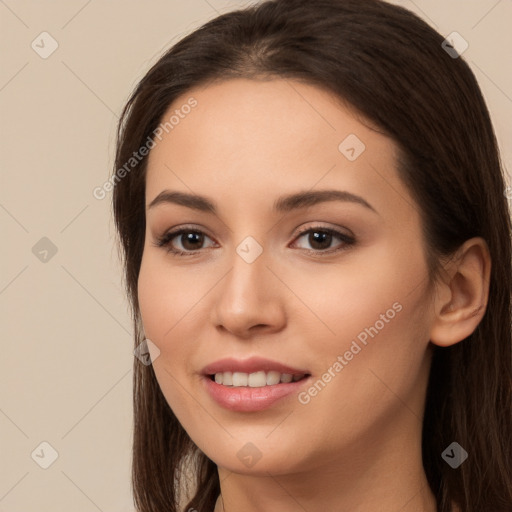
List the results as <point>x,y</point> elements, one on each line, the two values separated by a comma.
<point>65,370</point>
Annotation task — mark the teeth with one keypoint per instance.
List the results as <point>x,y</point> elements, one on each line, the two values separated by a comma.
<point>273,378</point>
<point>239,379</point>
<point>256,379</point>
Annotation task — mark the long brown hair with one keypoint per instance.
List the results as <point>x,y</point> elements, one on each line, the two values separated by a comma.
<point>391,67</point>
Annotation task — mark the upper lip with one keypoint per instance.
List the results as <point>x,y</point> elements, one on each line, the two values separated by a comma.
<point>250,365</point>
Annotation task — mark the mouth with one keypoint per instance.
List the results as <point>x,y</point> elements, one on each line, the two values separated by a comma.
<point>253,384</point>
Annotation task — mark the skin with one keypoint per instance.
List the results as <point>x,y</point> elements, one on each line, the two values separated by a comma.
<point>357,444</point>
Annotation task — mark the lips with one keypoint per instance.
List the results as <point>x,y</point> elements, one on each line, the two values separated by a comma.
<point>252,384</point>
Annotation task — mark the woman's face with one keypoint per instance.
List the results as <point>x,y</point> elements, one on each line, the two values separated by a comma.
<point>304,262</point>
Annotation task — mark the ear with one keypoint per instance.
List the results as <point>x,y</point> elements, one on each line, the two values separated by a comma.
<point>461,297</point>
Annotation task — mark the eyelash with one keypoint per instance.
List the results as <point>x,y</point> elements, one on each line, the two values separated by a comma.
<point>165,240</point>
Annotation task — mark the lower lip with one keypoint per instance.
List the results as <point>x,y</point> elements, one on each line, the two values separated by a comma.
<point>247,399</point>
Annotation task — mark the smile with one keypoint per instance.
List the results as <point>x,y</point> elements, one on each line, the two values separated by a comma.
<point>253,384</point>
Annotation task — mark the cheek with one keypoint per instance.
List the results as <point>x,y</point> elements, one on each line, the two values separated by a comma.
<point>381,359</point>
<point>161,307</point>
<point>359,297</point>
<point>172,304</point>
<point>375,317</point>
<point>166,295</point>
<point>371,374</point>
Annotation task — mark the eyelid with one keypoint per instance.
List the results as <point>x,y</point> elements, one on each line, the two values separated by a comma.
<point>185,227</point>
<point>318,226</point>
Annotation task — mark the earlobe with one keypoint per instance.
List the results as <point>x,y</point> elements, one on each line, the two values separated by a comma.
<point>461,299</point>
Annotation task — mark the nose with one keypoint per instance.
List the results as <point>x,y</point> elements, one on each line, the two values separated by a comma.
<point>249,299</point>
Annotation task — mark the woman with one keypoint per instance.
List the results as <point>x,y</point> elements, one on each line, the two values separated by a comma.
<point>316,243</point>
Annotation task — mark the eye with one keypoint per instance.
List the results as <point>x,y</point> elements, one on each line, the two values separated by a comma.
<point>191,240</point>
<point>321,238</point>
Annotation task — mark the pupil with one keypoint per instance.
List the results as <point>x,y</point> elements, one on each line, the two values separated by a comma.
<point>319,237</point>
<point>189,237</point>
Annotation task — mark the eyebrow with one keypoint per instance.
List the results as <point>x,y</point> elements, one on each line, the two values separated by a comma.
<point>283,204</point>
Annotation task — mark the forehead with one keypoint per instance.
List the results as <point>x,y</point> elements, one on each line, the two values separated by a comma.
<point>244,135</point>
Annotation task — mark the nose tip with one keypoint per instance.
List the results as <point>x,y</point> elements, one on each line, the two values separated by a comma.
<point>248,299</point>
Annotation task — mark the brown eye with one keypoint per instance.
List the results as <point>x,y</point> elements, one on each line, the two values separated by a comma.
<point>183,241</point>
<point>320,239</point>
<point>191,241</point>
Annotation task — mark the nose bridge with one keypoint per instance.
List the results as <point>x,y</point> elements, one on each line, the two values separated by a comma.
<point>247,297</point>
<point>245,282</point>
